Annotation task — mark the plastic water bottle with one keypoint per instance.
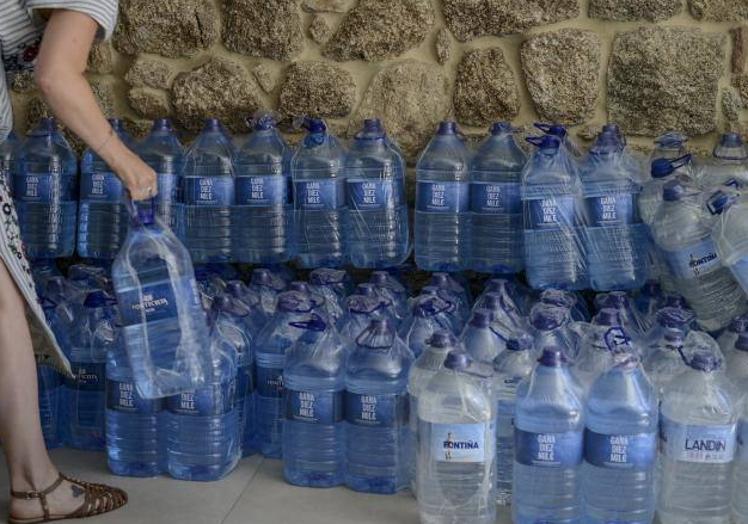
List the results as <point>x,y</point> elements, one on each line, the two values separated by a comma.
<point>574,302</point>
<point>429,317</point>
<point>665,359</point>
<point>267,288</point>
<point>379,235</point>
<point>560,132</point>
<point>134,425</point>
<point>730,335</point>
<point>495,188</point>
<point>663,170</point>
<point>479,339</point>
<point>455,292</point>
<point>620,449</point>
<point>319,198</point>
<point>207,196</point>
<point>622,303</point>
<point>49,387</point>
<point>378,436</point>
<point>391,288</point>
<point>7,159</point>
<point>45,189</point>
<point>730,161</point>
<point>163,152</point>
<point>693,260</point>
<point>729,236</point>
<point>615,237</point>
<point>203,440</point>
<point>518,293</point>
<point>699,414</point>
<point>595,354</point>
<point>263,216</point>
<point>442,216</point>
<point>270,356</point>
<point>550,198</point>
<point>452,312</point>
<point>646,301</point>
<point>740,483</point>
<point>511,367</point>
<point>359,311</point>
<point>549,326</point>
<point>456,447</point>
<point>669,145</point>
<point>549,432</point>
<point>313,425</point>
<point>334,285</point>
<point>737,363</point>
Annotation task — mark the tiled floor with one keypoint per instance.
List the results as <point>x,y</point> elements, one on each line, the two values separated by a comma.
<point>253,494</point>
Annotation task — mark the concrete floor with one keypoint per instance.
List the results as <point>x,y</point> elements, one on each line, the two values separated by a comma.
<point>253,494</point>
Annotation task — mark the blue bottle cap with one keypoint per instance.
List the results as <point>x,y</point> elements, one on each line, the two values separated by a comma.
<point>212,124</point>
<point>739,324</point>
<point>672,317</point>
<point>671,140</point>
<point>673,190</point>
<point>235,288</point>
<point>366,289</point>
<point>363,305</point>
<point>145,211</point>
<point>442,339</point>
<point>447,127</point>
<point>552,129</point>
<point>162,124</point>
<point>315,125</point>
<point>651,288</point>
<point>741,344</point>
<point>300,286</point>
<point>373,125</point>
<point>439,280</point>
<point>379,324</point>
<point>613,128</point>
<point>327,276</point>
<point>519,343</point>
<point>719,201</point>
<point>607,317</point>
<point>552,357</point>
<point>614,299</point>
<point>262,277</point>
<point>379,278</point>
<point>481,318</point>
<point>705,361</point>
<point>545,317</point>
<point>430,306</point>
<point>458,361</point>
<point>730,141</point>
<point>430,290</point>
<point>500,128</point>
<point>661,168</point>
<point>294,302</point>
<point>546,143</point>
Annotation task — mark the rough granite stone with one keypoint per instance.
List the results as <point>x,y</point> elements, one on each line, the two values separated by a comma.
<point>103,90</point>
<point>263,28</point>
<point>562,70</point>
<point>266,77</point>
<point>22,82</point>
<point>485,89</point>
<point>443,46</point>
<point>319,30</point>
<point>317,89</point>
<point>719,10</point>
<point>470,18</point>
<point>378,29</point>
<point>138,127</point>
<point>148,71</point>
<point>626,10</point>
<point>170,28</point>
<point>651,82</point>
<point>327,6</point>
<point>731,105</point>
<point>148,102</point>
<point>219,88</point>
<point>101,58</point>
<point>739,49</point>
<point>410,97</point>
<point>741,84</point>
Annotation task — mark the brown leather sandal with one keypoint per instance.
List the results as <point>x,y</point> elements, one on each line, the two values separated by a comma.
<point>99,499</point>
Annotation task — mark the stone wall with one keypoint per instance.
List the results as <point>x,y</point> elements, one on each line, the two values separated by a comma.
<point>650,65</point>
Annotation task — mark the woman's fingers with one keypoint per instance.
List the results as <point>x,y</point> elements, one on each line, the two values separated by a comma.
<point>140,180</point>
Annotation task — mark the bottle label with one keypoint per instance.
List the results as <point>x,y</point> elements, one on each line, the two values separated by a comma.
<point>693,261</point>
<point>123,396</point>
<point>742,451</point>
<point>101,187</point>
<point>88,376</point>
<point>33,187</point>
<point>555,450</point>
<point>460,443</point>
<point>505,419</point>
<point>382,411</point>
<point>319,195</point>
<point>491,197</point>
<point>367,195</point>
<point>214,191</point>
<point>702,444</point>
<point>218,399</point>
<point>157,301</point>
<point>612,210</point>
<point>620,451</point>
<point>262,190</point>
<point>314,407</point>
<point>551,213</point>
<point>443,197</point>
<point>167,188</point>
<point>270,382</point>
<point>245,381</point>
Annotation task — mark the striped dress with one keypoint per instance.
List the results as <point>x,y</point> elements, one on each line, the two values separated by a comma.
<point>21,28</point>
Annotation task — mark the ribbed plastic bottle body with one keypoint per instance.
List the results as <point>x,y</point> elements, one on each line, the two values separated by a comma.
<point>163,152</point>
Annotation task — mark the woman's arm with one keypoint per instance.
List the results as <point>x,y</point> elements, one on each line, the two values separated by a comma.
<point>60,76</point>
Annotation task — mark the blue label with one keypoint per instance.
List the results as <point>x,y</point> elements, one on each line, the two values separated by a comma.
<point>459,443</point>
<point>32,187</point>
<point>548,449</point>
<point>88,376</point>
<point>702,444</point>
<point>382,411</point>
<point>612,210</point>
<point>167,188</point>
<point>374,194</point>
<point>270,382</point>
<point>214,400</point>
<point>314,407</point>
<point>216,191</point>
<point>262,190</point>
<point>245,381</point>
<point>123,396</point>
<point>620,451</point>
<point>156,301</point>
<point>551,213</point>
<point>319,194</point>
<point>443,197</point>
<point>101,187</point>
<point>694,261</point>
<point>490,197</point>
<point>742,452</point>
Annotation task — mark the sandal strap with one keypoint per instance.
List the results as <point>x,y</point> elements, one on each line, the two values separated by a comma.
<point>40,495</point>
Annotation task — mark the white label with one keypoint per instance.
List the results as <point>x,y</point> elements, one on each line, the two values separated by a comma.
<point>464,443</point>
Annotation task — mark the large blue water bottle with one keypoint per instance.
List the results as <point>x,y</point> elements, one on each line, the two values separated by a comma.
<point>7,159</point>
<point>263,216</point>
<point>378,448</point>
<point>334,285</point>
<point>49,387</point>
<point>549,437</point>
<point>620,450</point>
<point>45,188</point>
<point>319,198</point>
<point>495,189</point>
<point>616,240</point>
<point>207,196</point>
<point>379,235</point>
<point>550,199</point>
<point>313,427</point>
<point>163,152</point>
<point>442,217</point>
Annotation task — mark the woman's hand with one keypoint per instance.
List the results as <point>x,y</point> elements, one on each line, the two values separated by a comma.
<point>138,177</point>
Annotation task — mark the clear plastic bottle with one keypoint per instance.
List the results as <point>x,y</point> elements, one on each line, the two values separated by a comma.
<point>455,292</point>
<point>664,358</point>
<point>574,302</point>
<point>479,339</point>
<point>495,188</point>
<point>740,482</point>
<point>392,289</point>
<point>442,216</point>
<point>730,161</point>
<point>730,234</point>
<point>7,159</point>
<point>254,320</point>
<point>267,288</point>
<point>49,387</point>
<point>429,316</point>
<point>671,145</point>
<point>378,435</point>
<point>359,311</point>
<point>560,132</point>
<point>647,300</point>
<point>662,171</point>
<point>595,354</point>
<point>737,363</point>
<point>163,152</point>
<point>730,335</point>
<point>319,198</point>
<point>333,285</point>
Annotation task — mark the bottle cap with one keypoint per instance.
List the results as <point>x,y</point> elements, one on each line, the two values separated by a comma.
<point>673,317</point>
<point>491,301</point>
<point>294,302</point>
<point>705,361</point>
<point>674,300</point>
<point>545,142</point>
<point>458,361</point>
<point>741,344</point>
<point>552,357</point>
<point>481,318</point>
<point>674,337</point>
<point>300,286</point>
<point>673,190</point>
<point>607,317</point>
<point>235,288</point>
<point>614,299</point>
<point>442,339</point>
<point>739,324</point>
<point>366,289</point>
<point>559,298</point>
<point>447,127</point>
<point>262,277</point>
<point>212,124</point>
<point>730,147</point>
<point>519,343</point>
<point>552,129</point>
<point>373,125</point>
<point>326,276</point>
<point>546,317</point>
<point>500,128</point>
<point>162,124</point>
<point>364,305</point>
<point>379,278</point>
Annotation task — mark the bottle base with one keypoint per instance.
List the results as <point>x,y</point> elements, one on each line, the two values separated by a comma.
<point>377,485</point>
<point>312,479</point>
